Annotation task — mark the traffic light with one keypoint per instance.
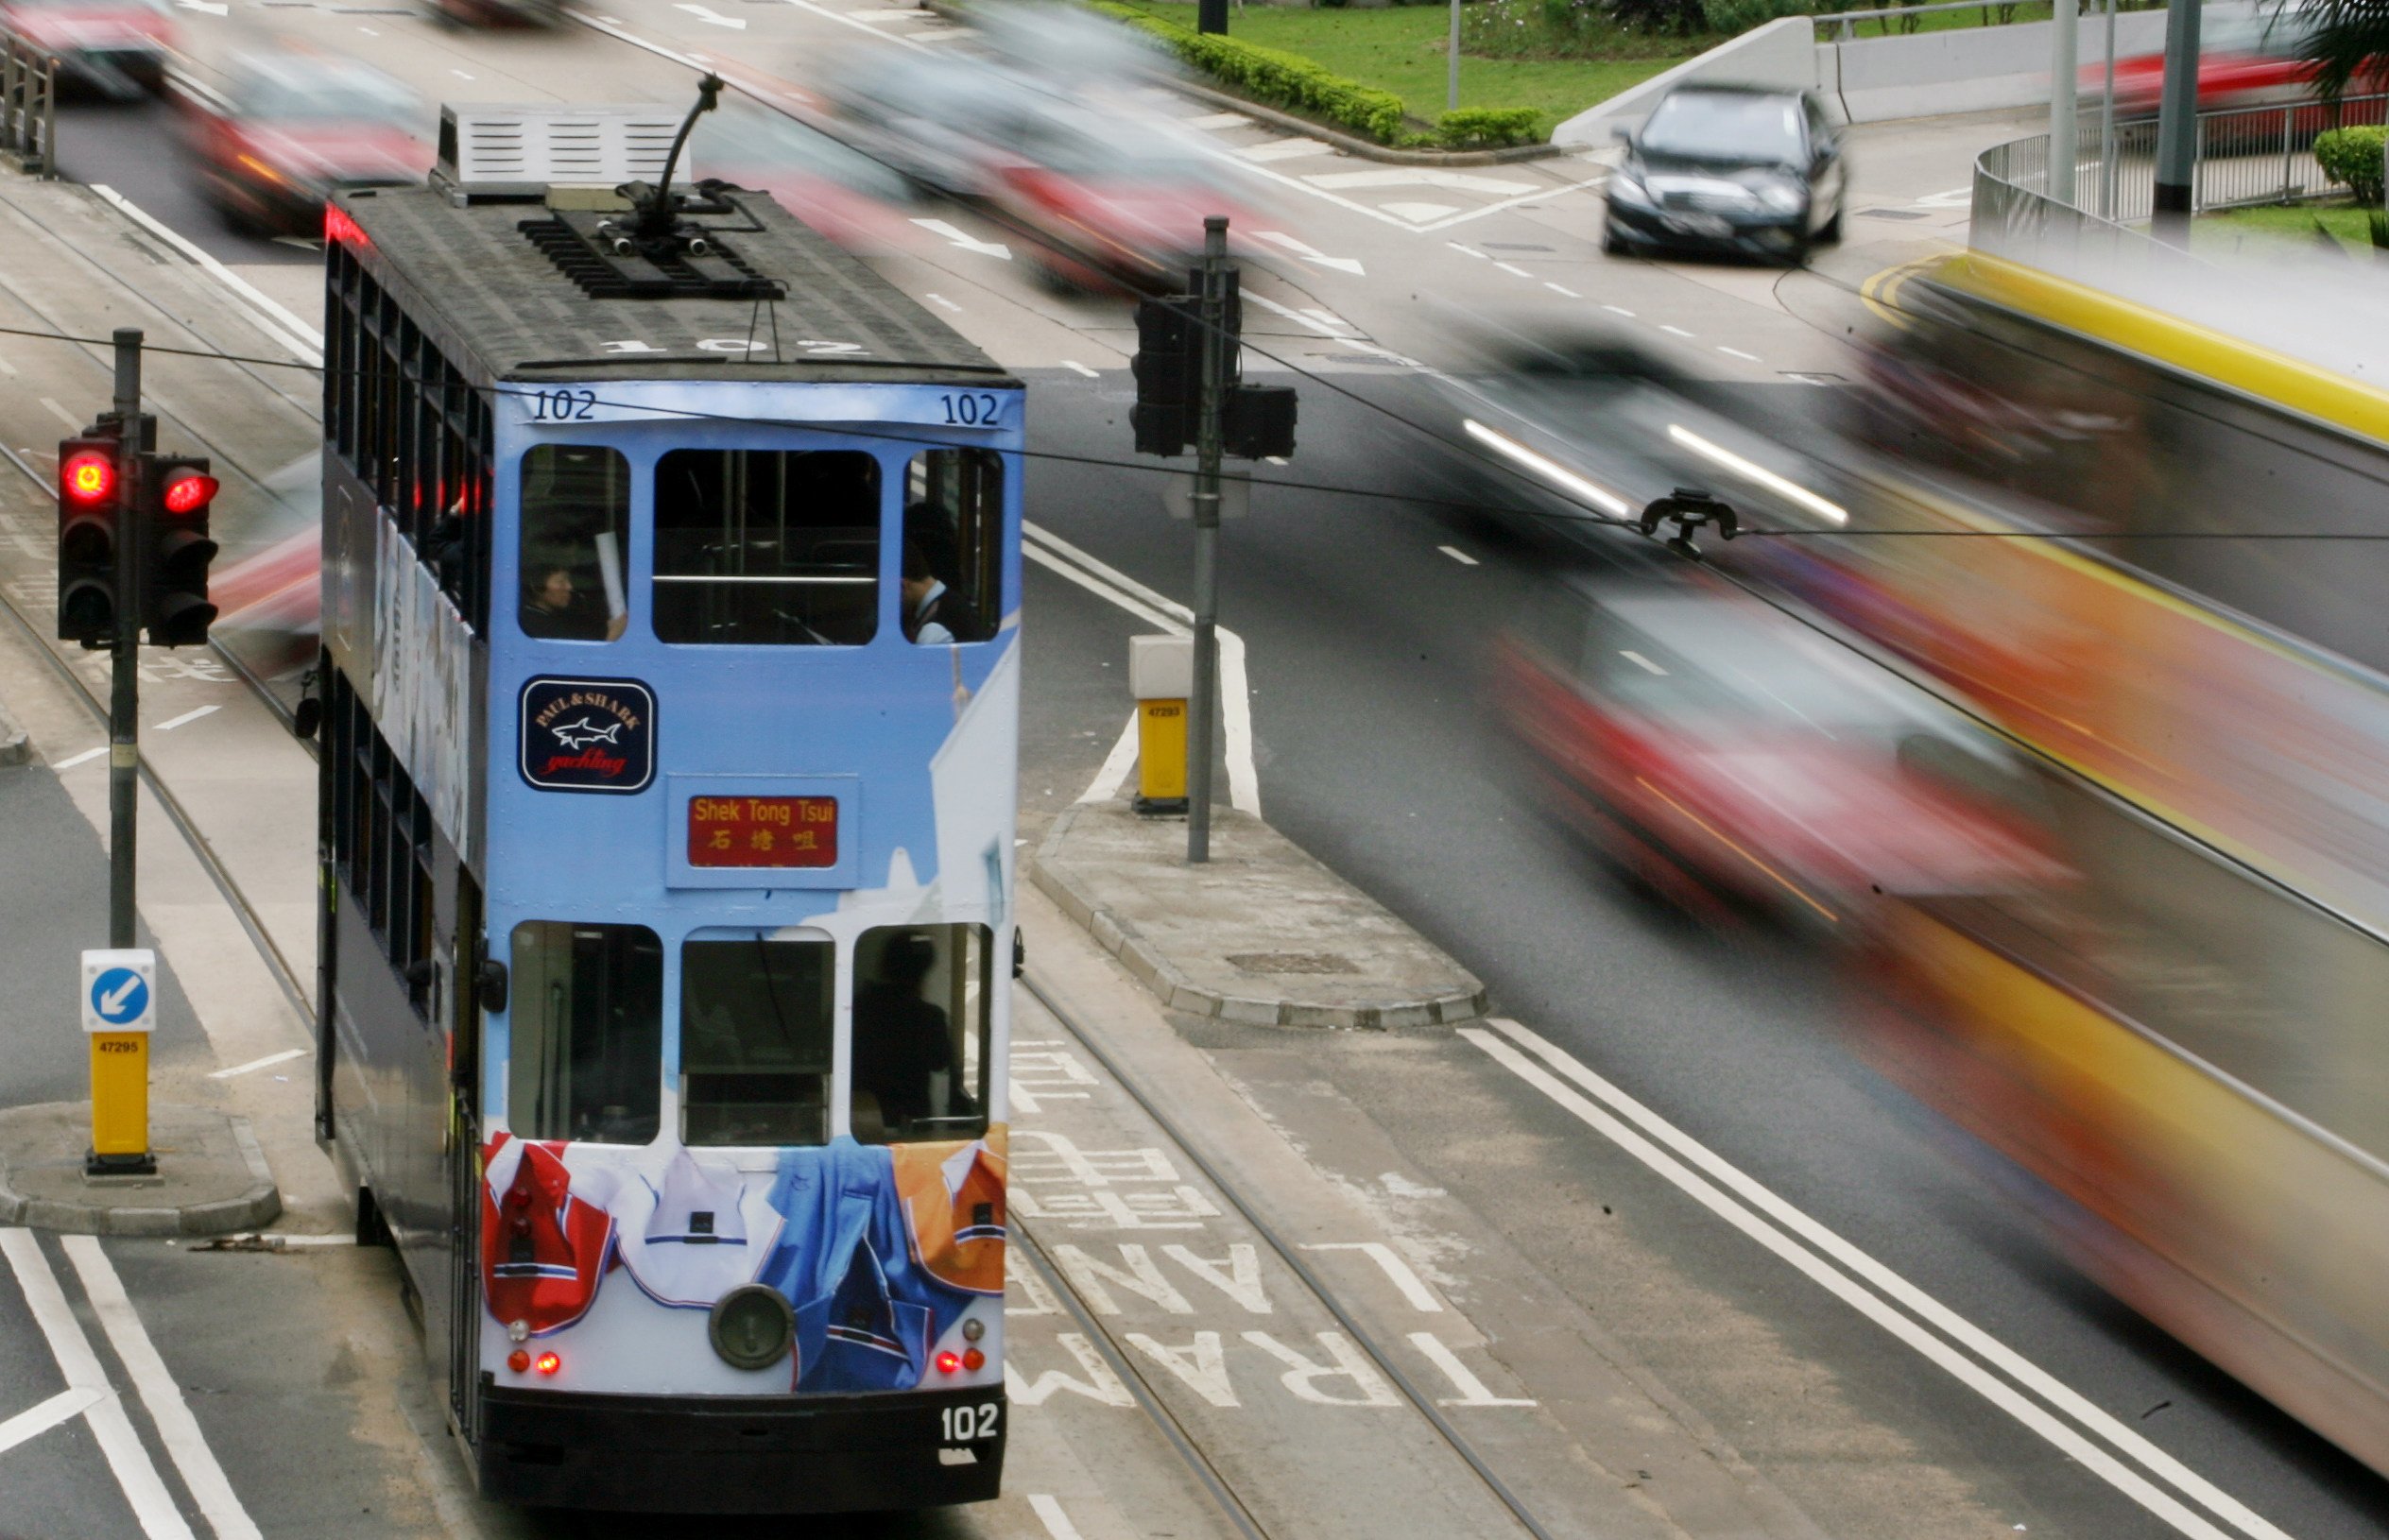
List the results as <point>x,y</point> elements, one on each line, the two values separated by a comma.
<point>91,491</point>
<point>176,491</point>
<point>1169,371</point>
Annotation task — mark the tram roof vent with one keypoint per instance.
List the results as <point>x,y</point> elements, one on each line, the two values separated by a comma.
<point>500,151</point>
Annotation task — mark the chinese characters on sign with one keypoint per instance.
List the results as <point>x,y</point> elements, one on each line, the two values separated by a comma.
<point>763,830</point>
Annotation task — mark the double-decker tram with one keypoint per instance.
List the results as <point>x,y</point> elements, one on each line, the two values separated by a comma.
<point>670,693</point>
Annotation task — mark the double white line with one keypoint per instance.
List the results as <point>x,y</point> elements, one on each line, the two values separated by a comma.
<point>2126,1461</point>
<point>1051,551</point>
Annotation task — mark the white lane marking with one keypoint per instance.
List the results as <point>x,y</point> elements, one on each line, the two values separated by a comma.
<point>172,723</point>
<point>1212,121</point>
<point>1522,199</point>
<point>267,1062</point>
<point>1310,253</point>
<point>1374,350</point>
<point>1299,317</point>
<point>707,14</point>
<point>1675,330</point>
<point>963,239</point>
<point>1473,1392</point>
<point>1049,1513</point>
<point>460,75</point>
<point>7,367</point>
<point>1115,769</point>
<point>144,1488</point>
<point>1618,310</point>
<point>939,298</point>
<point>1421,214</point>
<point>1235,694</point>
<point>35,1420</point>
<point>1281,149</point>
<point>268,317</point>
<point>1468,250</point>
<point>1737,353</point>
<point>72,760</point>
<point>74,424</point>
<point>169,1412</point>
<point>1514,270</point>
<point>204,7</point>
<point>1076,365</point>
<point>1561,288</point>
<point>368,31</point>
<point>1873,1307</point>
<point>1457,180</point>
<point>1457,555</point>
<point>1638,661</point>
<point>1389,1262</point>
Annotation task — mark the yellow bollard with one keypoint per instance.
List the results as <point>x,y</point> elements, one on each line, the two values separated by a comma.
<point>1161,677</point>
<point>119,1007</point>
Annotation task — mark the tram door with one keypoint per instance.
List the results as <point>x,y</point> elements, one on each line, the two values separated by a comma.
<point>464,1161</point>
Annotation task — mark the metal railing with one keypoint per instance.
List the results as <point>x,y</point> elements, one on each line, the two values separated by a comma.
<point>29,105</point>
<point>1842,25</point>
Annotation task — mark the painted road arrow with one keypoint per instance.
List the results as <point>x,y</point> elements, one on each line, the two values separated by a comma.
<point>968,242</point>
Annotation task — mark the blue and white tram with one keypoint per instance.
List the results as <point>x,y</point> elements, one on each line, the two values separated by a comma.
<point>671,679</point>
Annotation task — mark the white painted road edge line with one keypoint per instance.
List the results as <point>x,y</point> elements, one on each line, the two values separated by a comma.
<point>1457,555</point>
<point>279,324</point>
<point>1071,364</point>
<point>162,1398</point>
<point>1115,767</point>
<point>72,760</point>
<point>1049,1513</point>
<point>39,1419</point>
<point>186,718</point>
<point>1050,550</point>
<point>267,1062</point>
<point>1966,1371</point>
<point>144,1488</point>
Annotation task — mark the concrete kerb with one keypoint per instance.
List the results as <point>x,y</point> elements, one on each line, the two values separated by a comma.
<point>1146,959</point>
<point>213,1177</point>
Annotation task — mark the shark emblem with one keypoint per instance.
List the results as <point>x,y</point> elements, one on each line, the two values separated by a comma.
<point>584,732</point>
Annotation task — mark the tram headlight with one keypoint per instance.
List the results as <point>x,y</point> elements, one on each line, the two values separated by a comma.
<point>752,1327</point>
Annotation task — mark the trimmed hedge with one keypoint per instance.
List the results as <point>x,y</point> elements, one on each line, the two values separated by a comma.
<point>1489,127</point>
<point>2351,157</point>
<point>1266,75</point>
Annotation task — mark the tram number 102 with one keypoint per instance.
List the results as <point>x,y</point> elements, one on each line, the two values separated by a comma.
<point>561,405</point>
<point>971,409</point>
<point>964,1425</point>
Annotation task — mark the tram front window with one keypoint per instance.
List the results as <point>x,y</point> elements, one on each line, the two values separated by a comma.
<point>576,527</point>
<point>924,998</point>
<point>757,1018</point>
<point>587,1055</point>
<point>954,545</point>
<point>774,547</point>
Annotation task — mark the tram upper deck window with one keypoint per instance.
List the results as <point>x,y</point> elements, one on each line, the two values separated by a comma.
<point>757,1018</point>
<point>954,545</point>
<point>575,527</point>
<point>772,547</point>
<point>587,1057</point>
<point>925,997</point>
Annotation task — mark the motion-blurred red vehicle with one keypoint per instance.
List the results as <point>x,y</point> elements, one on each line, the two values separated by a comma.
<point>1716,748</point>
<point>837,189</point>
<point>2255,61</point>
<point>290,126</point>
<point>116,46</point>
<point>1108,200</point>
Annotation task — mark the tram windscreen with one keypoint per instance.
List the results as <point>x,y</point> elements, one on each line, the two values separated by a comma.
<point>576,527</point>
<point>756,1025</point>
<point>954,545</point>
<point>586,1060</point>
<point>924,999</point>
<point>771,547</point>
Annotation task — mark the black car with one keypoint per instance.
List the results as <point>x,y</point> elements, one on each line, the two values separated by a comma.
<point>1745,169</point>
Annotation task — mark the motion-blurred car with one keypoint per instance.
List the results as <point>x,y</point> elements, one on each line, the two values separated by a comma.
<point>1740,169</point>
<point>116,46</point>
<point>1714,747</point>
<point>495,13</point>
<point>2243,62</point>
<point>839,191</point>
<point>292,124</point>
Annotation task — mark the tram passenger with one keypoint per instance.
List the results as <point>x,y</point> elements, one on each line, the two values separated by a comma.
<point>934,615</point>
<point>551,605</point>
<point>903,1043</point>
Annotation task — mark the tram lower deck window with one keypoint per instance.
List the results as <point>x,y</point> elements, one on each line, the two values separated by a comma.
<point>774,547</point>
<point>757,1021</point>
<point>924,1001</point>
<point>587,1054</point>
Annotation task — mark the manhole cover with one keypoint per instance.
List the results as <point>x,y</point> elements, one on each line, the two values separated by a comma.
<point>1292,961</point>
<point>1894,213</point>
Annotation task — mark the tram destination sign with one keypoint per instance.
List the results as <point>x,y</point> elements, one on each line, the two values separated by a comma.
<point>763,830</point>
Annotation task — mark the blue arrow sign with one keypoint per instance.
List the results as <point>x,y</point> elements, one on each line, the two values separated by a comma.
<point>118,996</point>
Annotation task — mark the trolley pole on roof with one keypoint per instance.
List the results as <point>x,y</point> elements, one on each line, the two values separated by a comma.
<point>123,694</point>
<point>1209,447</point>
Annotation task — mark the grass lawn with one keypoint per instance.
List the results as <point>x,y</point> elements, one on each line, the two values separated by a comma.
<point>2289,222</point>
<point>1399,49</point>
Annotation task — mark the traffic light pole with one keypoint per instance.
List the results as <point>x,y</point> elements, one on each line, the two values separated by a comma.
<point>1209,447</point>
<point>124,696</point>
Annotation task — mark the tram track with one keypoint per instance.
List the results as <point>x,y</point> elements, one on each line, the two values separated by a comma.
<point>1122,1363</point>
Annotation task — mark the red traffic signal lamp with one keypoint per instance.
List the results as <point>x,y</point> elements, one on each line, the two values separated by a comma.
<point>176,494</point>
<point>91,510</point>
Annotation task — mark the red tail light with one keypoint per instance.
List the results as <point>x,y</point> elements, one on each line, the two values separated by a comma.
<point>547,1363</point>
<point>949,1363</point>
